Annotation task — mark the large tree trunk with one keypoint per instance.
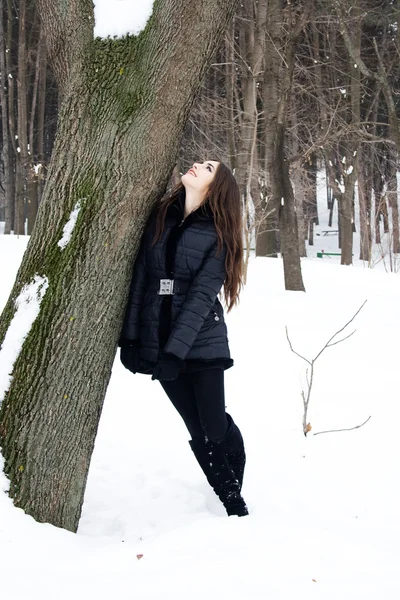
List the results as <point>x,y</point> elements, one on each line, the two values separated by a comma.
<point>125,103</point>
<point>281,74</point>
<point>287,220</point>
<point>267,235</point>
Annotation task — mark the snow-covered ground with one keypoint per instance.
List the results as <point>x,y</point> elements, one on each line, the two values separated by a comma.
<point>323,518</point>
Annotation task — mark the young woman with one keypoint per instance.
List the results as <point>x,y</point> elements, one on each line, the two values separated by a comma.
<point>174,326</point>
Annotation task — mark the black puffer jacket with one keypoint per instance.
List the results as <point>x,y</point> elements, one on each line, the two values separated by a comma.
<point>190,323</point>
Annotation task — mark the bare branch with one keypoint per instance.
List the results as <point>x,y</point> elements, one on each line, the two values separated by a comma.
<point>348,429</point>
<point>308,381</point>
<point>294,351</point>
<point>306,399</point>
<point>340,330</point>
<point>342,340</point>
<point>355,55</point>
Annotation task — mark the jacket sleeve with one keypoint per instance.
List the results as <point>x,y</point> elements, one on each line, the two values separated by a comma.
<point>200,298</point>
<point>130,328</point>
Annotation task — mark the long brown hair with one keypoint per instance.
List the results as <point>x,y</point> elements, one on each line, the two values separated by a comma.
<point>223,198</point>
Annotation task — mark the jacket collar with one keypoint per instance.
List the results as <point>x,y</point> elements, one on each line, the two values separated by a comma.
<point>177,208</point>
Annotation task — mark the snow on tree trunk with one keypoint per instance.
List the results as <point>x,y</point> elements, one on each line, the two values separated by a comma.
<point>125,103</point>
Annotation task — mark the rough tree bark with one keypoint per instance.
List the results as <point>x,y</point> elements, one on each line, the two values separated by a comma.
<point>281,74</point>
<point>125,103</point>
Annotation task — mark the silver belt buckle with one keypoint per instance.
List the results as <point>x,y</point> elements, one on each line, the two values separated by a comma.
<point>166,287</point>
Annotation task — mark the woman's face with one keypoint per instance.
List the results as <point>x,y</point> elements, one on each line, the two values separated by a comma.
<point>200,175</point>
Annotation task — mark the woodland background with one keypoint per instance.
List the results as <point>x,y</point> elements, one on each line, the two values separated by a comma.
<point>293,88</point>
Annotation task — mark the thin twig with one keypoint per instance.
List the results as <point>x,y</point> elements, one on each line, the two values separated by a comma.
<point>308,381</point>
<point>341,340</point>
<point>340,331</point>
<point>349,429</point>
<point>291,347</point>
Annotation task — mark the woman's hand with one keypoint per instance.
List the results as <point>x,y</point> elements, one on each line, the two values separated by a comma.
<point>168,367</point>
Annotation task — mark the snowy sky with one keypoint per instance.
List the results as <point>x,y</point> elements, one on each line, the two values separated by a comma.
<point>119,17</point>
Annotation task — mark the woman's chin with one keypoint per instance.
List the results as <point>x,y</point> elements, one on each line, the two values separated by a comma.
<point>185,179</point>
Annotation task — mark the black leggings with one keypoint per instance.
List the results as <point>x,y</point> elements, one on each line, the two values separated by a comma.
<point>200,400</point>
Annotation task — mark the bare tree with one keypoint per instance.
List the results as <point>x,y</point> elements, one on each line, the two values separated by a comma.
<point>6,157</point>
<point>10,116</point>
<point>277,87</point>
<point>29,114</point>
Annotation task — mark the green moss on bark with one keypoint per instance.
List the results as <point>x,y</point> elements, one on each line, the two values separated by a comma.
<point>59,266</point>
<point>114,68</point>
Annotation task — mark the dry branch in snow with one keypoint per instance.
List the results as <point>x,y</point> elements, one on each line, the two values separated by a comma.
<point>329,343</point>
